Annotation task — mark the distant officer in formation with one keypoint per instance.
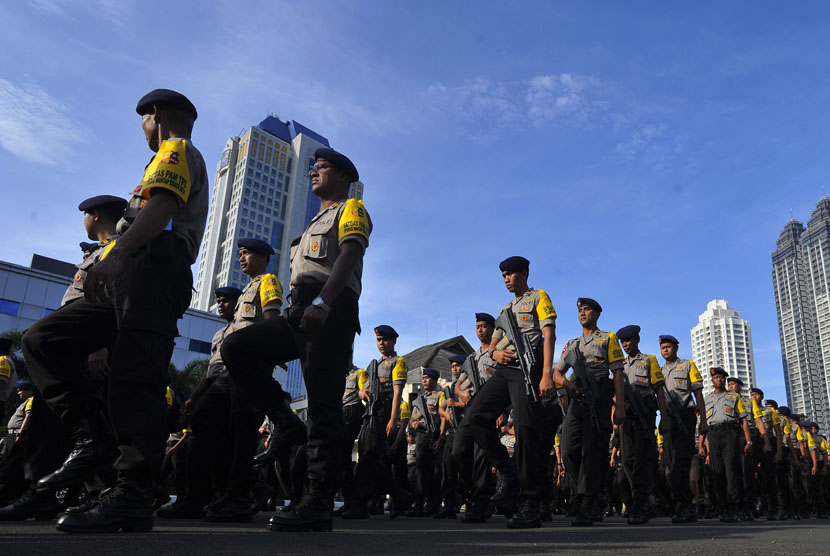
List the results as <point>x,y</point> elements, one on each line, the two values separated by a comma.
<point>587,429</point>
<point>353,410</point>
<point>425,423</point>
<point>452,413</point>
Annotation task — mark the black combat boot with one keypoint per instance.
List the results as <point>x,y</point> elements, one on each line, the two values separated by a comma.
<point>290,431</point>
<point>236,509</point>
<point>527,517</point>
<point>41,506</point>
<point>94,447</point>
<point>639,514</point>
<point>127,506</point>
<point>584,511</point>
<point>507,487</point>
<point>313,513</point>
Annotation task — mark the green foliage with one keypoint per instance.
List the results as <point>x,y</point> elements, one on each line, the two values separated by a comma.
<point>186,379</point>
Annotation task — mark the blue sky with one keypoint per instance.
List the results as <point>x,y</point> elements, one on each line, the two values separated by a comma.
<point>645,154</point>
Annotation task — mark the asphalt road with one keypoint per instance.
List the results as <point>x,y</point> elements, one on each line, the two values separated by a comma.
<point>427,537</point>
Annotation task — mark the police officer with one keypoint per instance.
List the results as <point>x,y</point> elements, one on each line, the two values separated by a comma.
<point>788,483</point>
<point>353,409</point>
<point>684,385</point>
<point>426,424</point>
<point>585,440</point>
<point>768,424</point>
<point>147,273</point>
<point>639,448</point>
<point>373,466</point>
<point>475,473</point>
<point>8,374</point>
<point>451,412</point>
<point>536,319</point>
<point>726,417</point>
<point>319,328</point>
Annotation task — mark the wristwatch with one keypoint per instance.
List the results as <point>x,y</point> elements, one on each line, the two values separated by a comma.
<point>318,302</point>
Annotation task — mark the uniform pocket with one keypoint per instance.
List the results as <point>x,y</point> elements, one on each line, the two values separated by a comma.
<point>317,247</point>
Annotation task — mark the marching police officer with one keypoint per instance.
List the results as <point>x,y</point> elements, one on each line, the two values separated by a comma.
<point>353,409</point>
<point>426,423</point>
<point>147,275</point>
<point>319,328</point>
<point>587,428</point>
<point>639,446</point>
<point>451,412</point>
<point>684,390</point>
<point>726,417</point>
<point>769,427</point>
<point>536,320</point>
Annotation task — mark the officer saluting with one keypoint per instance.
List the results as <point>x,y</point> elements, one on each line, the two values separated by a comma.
<point>319,328</point>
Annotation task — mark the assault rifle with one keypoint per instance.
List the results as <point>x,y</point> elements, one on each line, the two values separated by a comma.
<point>470,368</point>
<point>638,407</point>
<point>675,409</point>
<point>453,411</point>
<point>421,403</point>
<point>374,393</point>
<point>524,350</point>
<point>587,384</point>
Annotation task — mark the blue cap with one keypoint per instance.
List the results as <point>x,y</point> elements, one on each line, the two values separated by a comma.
<point>514,264</point>
<point>100,200</point>
<point>756,391</point>
<point>588,302</point>
<point>669,338</point>
<point>87,246</point>
<point>784,410</point>
<point>24,385</point>
<point>773,403</point>
<point>717,371</point>
<point>629,331</point>
<point>486,317</point>
<point>228,291</point>
<point>340,161</point>
<point>164,98</point>
<point>386,331</point>
<point>255,245</point>
<point>432,373</point>
<point>457,359</point>
<point>735,379</point>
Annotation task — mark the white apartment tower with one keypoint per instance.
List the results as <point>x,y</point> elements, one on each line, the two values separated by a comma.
<point>723,339</point>
<point>800,266</point>
<point>262,190</point>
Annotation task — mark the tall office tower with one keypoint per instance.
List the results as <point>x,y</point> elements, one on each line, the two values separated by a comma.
<point>262,190</point>
<point>799,276</point>
<point>723,339</point>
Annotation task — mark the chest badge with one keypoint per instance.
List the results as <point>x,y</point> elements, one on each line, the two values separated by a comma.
<point>315,246</point>
<point>247,307</point>
<point>524,318</point>
<point>78,276</point>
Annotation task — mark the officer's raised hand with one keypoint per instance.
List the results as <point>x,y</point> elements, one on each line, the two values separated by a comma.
<point>102,276</point>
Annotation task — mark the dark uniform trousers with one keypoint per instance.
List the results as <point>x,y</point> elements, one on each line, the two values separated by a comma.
<point>427,468</point>
<point>749,463</point>
<point>476,473</point>
<point>551,419</point>
<point>639,451</point>
<point>782,477</point>
<point>150,294</point>
<point>210,453</point>
<point>585,450</point>
<point>373,471</point>
<point>767,475</point>
<point>250,355</point>
<point>678,449</point>
<point>352,420</point>
<point>449,470</point>
<point>504,388</point>
<point>724,458</point>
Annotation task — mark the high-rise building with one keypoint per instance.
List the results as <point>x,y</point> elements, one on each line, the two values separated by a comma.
<point>723,339</point>
<point>262,190</point>
<point>800,264</point>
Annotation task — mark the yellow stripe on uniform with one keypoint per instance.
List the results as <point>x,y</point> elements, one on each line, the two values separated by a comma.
<point>354,220</point>
<point>656,371</point>
<point>694,374</point>
<point>270,290</point>
<point>400,371</point>
<point>545,310</point>
<point>615,352</point>
<point>168,170</point>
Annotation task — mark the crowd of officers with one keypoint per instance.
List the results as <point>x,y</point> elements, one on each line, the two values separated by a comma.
<point>517,431</point>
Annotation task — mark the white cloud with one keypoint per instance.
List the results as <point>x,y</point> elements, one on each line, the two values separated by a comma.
<point>650,143</point>
<point>36,127</point>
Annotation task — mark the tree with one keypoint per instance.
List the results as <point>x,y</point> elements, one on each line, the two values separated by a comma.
<point>186,379</point>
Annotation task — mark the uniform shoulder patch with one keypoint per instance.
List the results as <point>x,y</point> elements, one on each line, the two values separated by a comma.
<point>168,170</point>
<point>354,221</point>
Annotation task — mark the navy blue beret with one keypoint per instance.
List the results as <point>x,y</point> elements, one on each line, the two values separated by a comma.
<point>340,161</point>
<point>457,359</point>
<point>165,98</point>
<point>756,391</point>
<point>228,291</point>
<point>808,423</point>
<point>87,246</point>
<point>100,200</point>
<point>773,403</point>
<point>717,371</point>
<point>669,338</point>
<point>255,245</point>
<point>784,410</point>
<point>514,264</point>
<point>486,317</point>
<point>588,302</point>
<point>628,332</point>
<point>24,385</point>
<point>432,373</point>
<point>386,331</point>
<point>735,379</point>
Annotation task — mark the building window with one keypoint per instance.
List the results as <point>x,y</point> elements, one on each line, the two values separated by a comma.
<point>8,307</point>
<point>199,346</point>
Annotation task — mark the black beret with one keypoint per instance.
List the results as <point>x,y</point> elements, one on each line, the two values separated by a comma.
<point>588,302</point>
<point>486,317</point>
<point>386,331</point>
<point>24,385</point>
<point>717,371</point>
<point>228,291</point>
<point>628,331</point>
<point>784,410</point>
<point>255,245</point>
<point>87,246</point>
<point>773,403</point>
<point>514,264</point>
<point>795,416</point>
<point>5,343</point>
<point>756,391</point>
<point>340,161</point>
<point>669,338</point>
<point>165,98</point>
<point>735,379</point>
<point>457,359</point>
<point>432,373</point>
<point>100,200</point>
